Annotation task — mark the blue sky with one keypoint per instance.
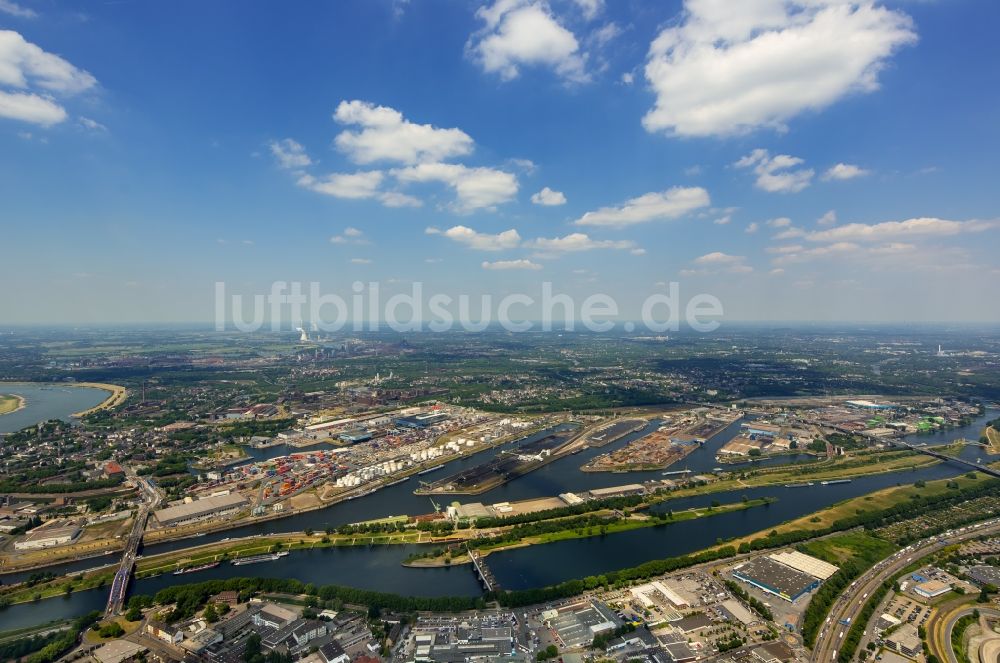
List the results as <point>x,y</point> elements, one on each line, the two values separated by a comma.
<point>821,160</point>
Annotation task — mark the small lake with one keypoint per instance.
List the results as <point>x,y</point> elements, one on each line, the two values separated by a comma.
<point>47,401</point>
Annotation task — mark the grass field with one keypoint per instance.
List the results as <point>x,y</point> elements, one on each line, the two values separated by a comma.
<point>881,499</point>
<point>61,586</point>
<point>838,548</point>
<point>993,436</point>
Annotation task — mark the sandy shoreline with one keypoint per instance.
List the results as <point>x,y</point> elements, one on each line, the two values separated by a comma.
<point>21,403</point>
<point>116,397</point>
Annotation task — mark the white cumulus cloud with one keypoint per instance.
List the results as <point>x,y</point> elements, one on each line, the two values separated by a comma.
<point>475,188</point>
<point>844,171</point>
<point>289,154</point>
<point>33,77</point>
<point>32,108</point>
<point>548,197</point>
<point>777,174</point>
<point>577,242</point>
<point>508,239</point>
<point>363,184</point>
<point>519,33</point>
<point>732,66</point>
<point>386,135</point>
<point>670,204</point>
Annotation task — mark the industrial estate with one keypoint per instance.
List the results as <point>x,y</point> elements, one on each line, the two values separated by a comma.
<point>210,521</point>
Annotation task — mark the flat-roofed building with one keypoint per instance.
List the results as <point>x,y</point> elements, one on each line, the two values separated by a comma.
<point>235,623</point>
<point>49,536</point>
<point>774,578</point>
<point>773,652</point>
<point>200,509</point>
<point>886,621</point>
<point>470,511</point>
<point>273,616</point>
<point>618,491</point>
<point>738,612</point>
<point>202,640</point>
<point>805,563</point>
<point>421,420</point>
<point>740,445</point>
<point>670,594</point>
<point>680,652</point>
<point>692,623</point>
<point>905,640</point>
<point>118,651</point>
<point>984,575</point>
<point>932,588</point>
<point>332,652</point>
<point>755,428</point>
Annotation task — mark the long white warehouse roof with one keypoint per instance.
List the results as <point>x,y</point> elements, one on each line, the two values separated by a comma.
<point>805,563</point>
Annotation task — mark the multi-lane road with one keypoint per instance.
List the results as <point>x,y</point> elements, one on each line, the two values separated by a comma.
<point>846,608</point>
<point>151,497</point>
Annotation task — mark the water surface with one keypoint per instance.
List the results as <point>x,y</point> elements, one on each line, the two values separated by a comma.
<point>47,401</point>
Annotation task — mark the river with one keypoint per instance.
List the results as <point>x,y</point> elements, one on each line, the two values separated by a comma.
<point>379,567</point>
<point>47,401</point>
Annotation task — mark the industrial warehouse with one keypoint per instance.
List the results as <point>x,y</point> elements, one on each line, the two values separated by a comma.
<point>206,507</point>
<point>54,533</point>
<point>788,575</point>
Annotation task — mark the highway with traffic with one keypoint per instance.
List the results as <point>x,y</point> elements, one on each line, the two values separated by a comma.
<point>846,608</point>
